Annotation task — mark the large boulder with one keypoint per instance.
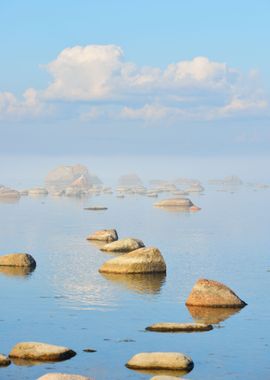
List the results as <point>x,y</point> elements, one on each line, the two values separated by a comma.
<point>143,260</point>
<point>160,360</point>
<point>214,294</point>
<point>6,192</point>
<point>62,376</point>
<point>18,260</point>
<point>179,327</point>
<point>123,245</point>
<point>40,352</point>
<point>65,176</point>
<point>104,235</point>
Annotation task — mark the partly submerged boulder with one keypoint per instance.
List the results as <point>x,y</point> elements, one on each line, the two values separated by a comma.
<point>123,245</point>
<point>40,352</point>
<point>104,235</point>
<point>4,361</point>
<point>179,327</point>
<point>17,260</point>
<point>214,294</point>
<point>62,376</point>
<point>6,192</point>
<point>143,260</point>
<point>160,360</point>
<point>174,202</point>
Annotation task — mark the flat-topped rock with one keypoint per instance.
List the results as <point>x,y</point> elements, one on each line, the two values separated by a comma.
<point>96,208</point>
<point>63,376</point>
<point>123,245</point>
<point>160,360</point>
<point>104,235</point>
<point>4,361</point>
<point>179,327</point>
<point>18,260</point>
<point>40,352</point>
<point>174,202</point>
<point>213,293</point>
<point>143,260</point>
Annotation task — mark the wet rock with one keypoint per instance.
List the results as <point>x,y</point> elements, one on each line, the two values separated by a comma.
<point>143,260</point>
<point>214,294</point>
<point>40,352</point>
<point>104,235</point>
<point>4,361</point>
<point>123,245</point>
<point>63,376</point>
<point>160,360</point>
<point>18,260</point>
<point>179,327</point>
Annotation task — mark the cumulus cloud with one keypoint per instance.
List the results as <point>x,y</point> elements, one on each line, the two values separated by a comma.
<point>111,87</point>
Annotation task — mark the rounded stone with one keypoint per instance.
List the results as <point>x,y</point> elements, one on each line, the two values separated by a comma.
<point>18,260</point>
<point>40,352</point>
<point>62,376</point>
<point>4,361</point>
<point>213,294</point>
<point>123,245</point>
<point>160,360</point>
<point>104,235</point>
<point>179,327</point>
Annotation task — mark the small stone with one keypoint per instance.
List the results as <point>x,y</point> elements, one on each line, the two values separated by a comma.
<point>40,352</point>
<point>123,245</point>
<point>18,260</point>
<point>89,350</point>
<point>213,294</point>
<point>96,208</point>
<point>4,361</point>
<point>160,360</point>
<point>104,235</point>
<point>179,327</point>
<point>62,376</point>
<point>143,260</point>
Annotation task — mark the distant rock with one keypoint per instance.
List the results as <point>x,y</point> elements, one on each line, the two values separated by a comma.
<point>4,361</point>
<point>104,235</point>
<point>143,260</point>
<point>195,188</point>
<point>6,192</point>
<point>227,181</point>
<point>63,376</point>
<point>123,245</point>
<point>74,176</point>
<point>130,180</point>
<point>40,352</point>
<point>214,294</point>
<point>96,208</point>
<point>179,327</point>
<point>18,260</point>
<point>38,191</point>
<point>174,202</point>
<point>160,360</point>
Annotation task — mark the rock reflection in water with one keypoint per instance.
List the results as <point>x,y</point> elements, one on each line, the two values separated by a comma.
<point>30,363</point>
<point>139,283</point>
<point>162,372</point>
<point>211,315</point>
<point>16,271</point>
<point>182,209</point>
<point>9,200</point>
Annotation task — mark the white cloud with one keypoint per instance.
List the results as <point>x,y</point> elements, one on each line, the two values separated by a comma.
<point>110,87</point>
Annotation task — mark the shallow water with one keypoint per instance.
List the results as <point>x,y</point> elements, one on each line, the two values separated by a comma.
<point>66,301</point>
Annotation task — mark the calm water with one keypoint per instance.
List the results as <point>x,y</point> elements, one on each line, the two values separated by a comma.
<point>65,301</point>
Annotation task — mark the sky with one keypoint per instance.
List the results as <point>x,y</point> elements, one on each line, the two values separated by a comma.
<point>134,77</point>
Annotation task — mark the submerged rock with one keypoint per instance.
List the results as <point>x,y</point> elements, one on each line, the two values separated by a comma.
<point>214,294</point>
<point>160,360</point>
<point>63,376</point>
<point>143,260</point>
<point>18,260</point>
<point>4,361</point>
<point>104,235</point>
<point>40,352</point>
<point>123,245</point>
<point>179,327</point>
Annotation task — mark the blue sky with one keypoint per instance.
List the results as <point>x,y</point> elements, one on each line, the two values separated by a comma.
<point>192,73</point>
